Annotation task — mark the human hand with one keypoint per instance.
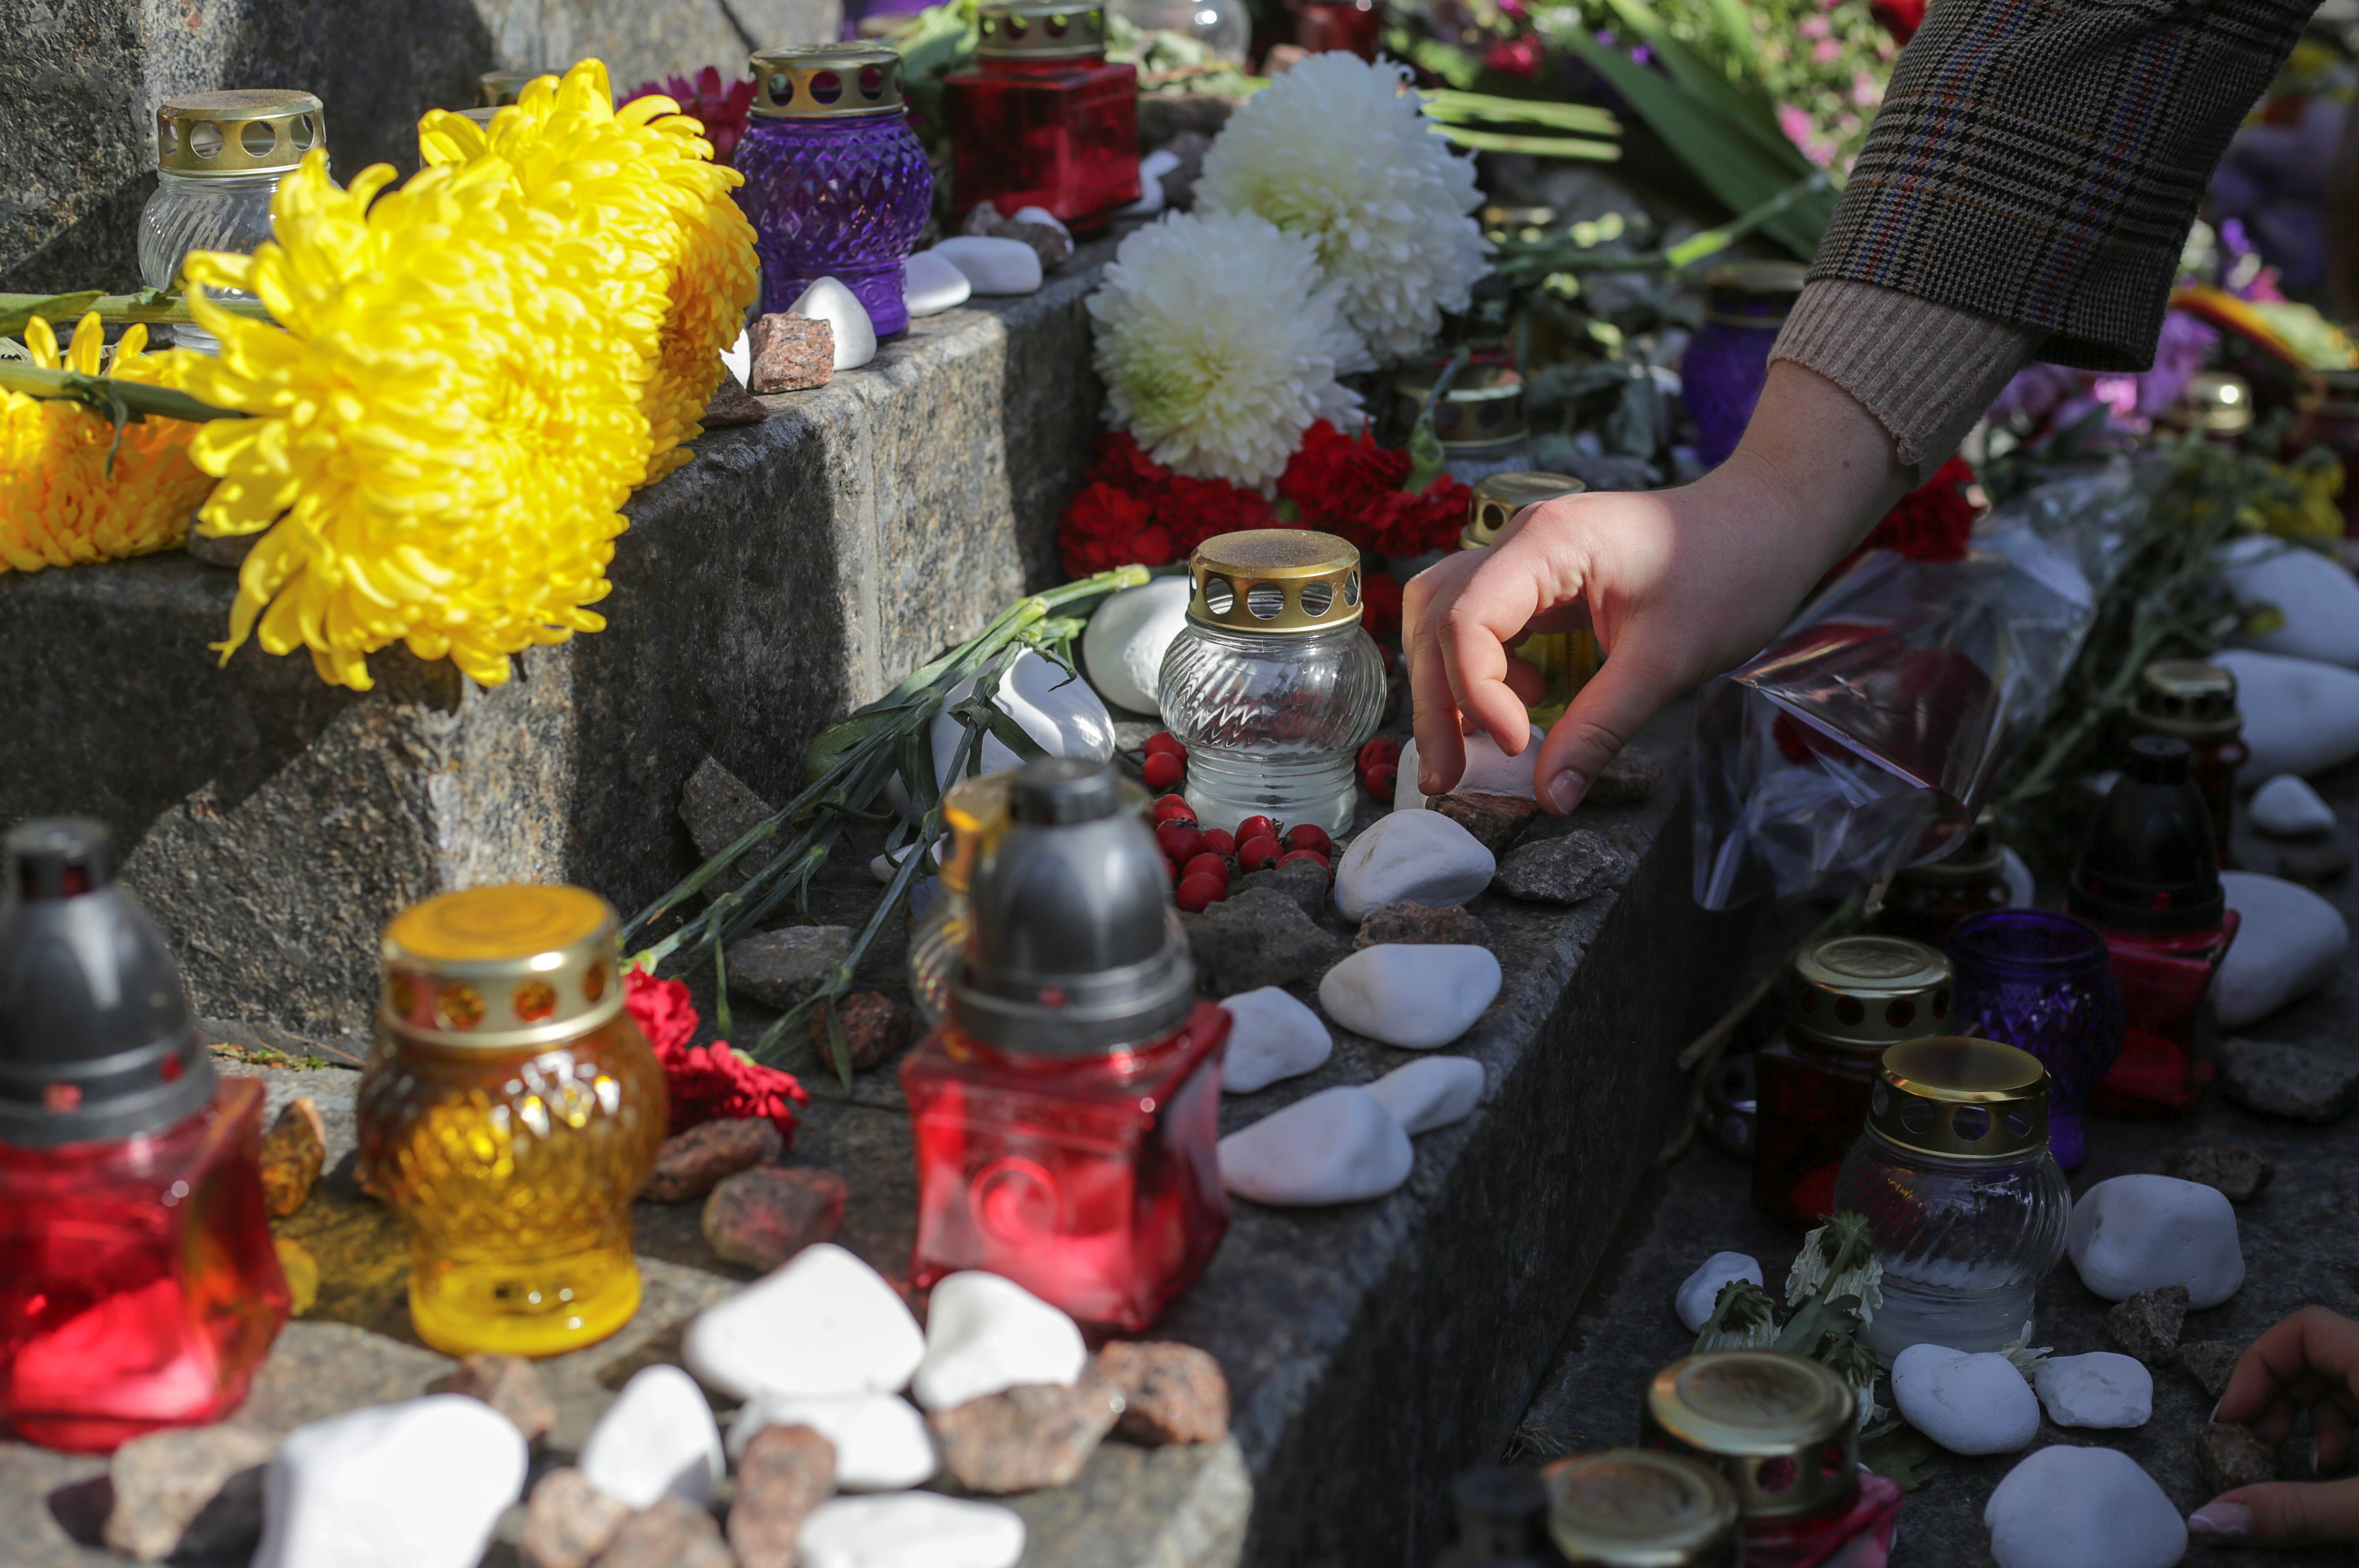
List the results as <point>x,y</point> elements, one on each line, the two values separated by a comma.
<point>2309,1362</point>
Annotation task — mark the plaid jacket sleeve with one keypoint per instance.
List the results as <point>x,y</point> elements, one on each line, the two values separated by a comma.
<point>2038,161</point>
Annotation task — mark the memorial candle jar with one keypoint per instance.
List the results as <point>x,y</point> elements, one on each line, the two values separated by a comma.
<point>837,184</point>
<point>1355,26</point>
<point>2186,699</point>
<point>1042,118</point>
<point>139,1285</point>
<point>1847,998</point>
<point>1783,1432</point>
<point>1067,1111</point>
<point>509,1112</point>
<point>2041,982</point>
<point>219,159</point>
<point>1641,1508</point>
<point>1479,420</point>
<point>975,809</point>
<point>1272,685</point>
<point>1965,1202</point>
<point>1924,903</point>
<point>1565,660</point>
<point>1724,370</point>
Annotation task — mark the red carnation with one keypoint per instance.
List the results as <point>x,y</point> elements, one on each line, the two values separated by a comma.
<point>706,1083</point>
<point>663,1009</point>
<point>1380,603</point>
<point>1105,527</point>
<point>723,112</point>
<point>1933,522</point>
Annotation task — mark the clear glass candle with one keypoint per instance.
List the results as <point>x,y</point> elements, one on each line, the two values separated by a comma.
<point>219,157</point>
<point>1565,660</point>
<point>2039,981</point>
<point>1042,118</point>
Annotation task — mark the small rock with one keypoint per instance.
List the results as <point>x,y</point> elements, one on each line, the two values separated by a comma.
<point>2134,1233</point>
<point>1042,216</point>
<point>2231,1456</point>
<point>689,1163</point>
<point>2099,1389</point>
<point>1449,926</point>
<point>785,1473</point>
<point>1968,1403</point>
<point>2287,807</point>
<point>2146,1324</point>
<point>1151,194</point>
<point>2317,598</point>
<point>1254,938</point>
<point>1629,778</point>
<point>792,353</point>
<point>994,266</point>
<point>1171,1393</point>
<point>2240,1172</point>
<point>881,1441</point>
<point>1179,164</point>
<point>2313,865</point>
<point>195,1492</point>
<point>2077,1507</point>
<point>831,300</point>
<point>1494,820</point>
<point>1027,1437</point>
<point>2289,943</point>
<point>780,968</point>
<point>302,1272</point>
<point>911,1529</point>
<point>1431,1093</point>
<point>1050,240</point>
<point>1271,1036</point>
<point>420,1483</point>
<point>1566,868</point>
<point>674,1533</point>
<point>2300,716</point>
<point>293,1152</point>
<point>731,405</point>
<point>825,1323</point>
<point>567,1522</point>
<point>718,808</point>
<point>876,1028</point>
<point>1338,1146</point>
<point>1700,1292</point>
<point>985,1334</point>
<point>1488,771</point>
<point>657,1439</point>
<point>1123,645</point>
<point>931,285</point>
<point>761,1217</point>
<point>1415,998</point>
<point>2210,1362</point>
<point>510,1385</point>
<point>2290,1081</point>
<point>1420,857</point>
<point>1305,882</point>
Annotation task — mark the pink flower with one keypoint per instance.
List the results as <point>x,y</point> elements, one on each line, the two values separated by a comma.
<point>1864,90</point>
<point>1814,28</point>
<point>1826,51</point>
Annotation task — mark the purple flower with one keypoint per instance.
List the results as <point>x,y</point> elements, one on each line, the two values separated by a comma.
<point>2178,353</point>
<point>2036,391</point>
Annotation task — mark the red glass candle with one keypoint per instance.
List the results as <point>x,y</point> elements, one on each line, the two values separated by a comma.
<point>1043,119</point>
<point>1353,25</point>
<point>2188,699</point>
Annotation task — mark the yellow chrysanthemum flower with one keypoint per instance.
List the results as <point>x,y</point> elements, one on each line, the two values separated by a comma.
<point>58,504</point>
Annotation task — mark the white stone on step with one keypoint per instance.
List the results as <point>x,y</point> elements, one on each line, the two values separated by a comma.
<point>1488,771</point>
<point>2103,1388</point>
<point>823,1322</point>
<point>657,1436</point>
<point>2317,597</point>
<point>994,266</point>
<point>1701,1291</point>
<point>881,1441</point>
<point>1413,995</point>
<point>1420,857</point>
<point>985,1334</point>
<point>421,1483</point>
<point>827,300</point>
<point>2138,1233</point>
<point>1338,1146</point>
<point>1431,1093</point>
<point>930,284</point>
<point>739,357</point>
<point>2287,946</point>
<point>2300,716</point>
<point>1123,645</point>
<point>1969,1403</point>
<point>2021,886</point>
<point>2287,807</point>
<point>1272,1035</point>
<point>2083,1507</point>
<point>1042,215</point>
<point>1151,170</point>
<point>910,1529</point>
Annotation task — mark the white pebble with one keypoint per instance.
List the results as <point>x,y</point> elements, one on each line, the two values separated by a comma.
<point>739,357</point>
<point>910,1529</point>
<point>1123,645</point>
<point>1420,857</point>
<point>985,1334</point>
<point>657,1436</point>
<point>2102,1389</point>
<point>2083,1507</point>
<point>994,266</point>
<point>931,285</point>
<point>2289,944</point>
<point>1042,215</point>
<point>2138,1233</point>
<point>2287,807</point>
<point>2021,888</point>
<point>1151,170</point>
<point>1272,1035</point>
<point>823,1322</point>
<point>421,1483</point>
<point>1967,1402</point>
<point>1413,995</point>
<point>1338,1146</point>
<point>829,300</point>
<point>2317,597</point>
<point>1488,771</point>
<point>1431,1093</point>
<point>1700,1292</point>
<point>2300,716</point>
<point>881,1441</point>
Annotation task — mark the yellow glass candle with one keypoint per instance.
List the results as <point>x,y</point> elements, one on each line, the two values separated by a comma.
<point>509,1112</point>
<point>1565,660</point>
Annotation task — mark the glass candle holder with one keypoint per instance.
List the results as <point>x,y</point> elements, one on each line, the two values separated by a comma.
<point>1726,366</point>
<point>1356,26</point>
<point>219,157</point>
<point>837,185</point>
<point>1479,420</point>
<point>510,1110</point>
<point>1042,118</point>
<point>1565,660</point>
<point>1272,685</point>
<point>1640,1508</point>
<point>1925,903</point>
<point>2186,699</point>
<point>1222,29</point>
<point>2041,982</point>
<point>1966,1203</point>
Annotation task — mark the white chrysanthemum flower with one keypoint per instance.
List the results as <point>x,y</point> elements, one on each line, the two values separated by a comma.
<point>1742,1319</point>
<point>1219,344</point>
<point>1838,1259</point>
<point>2025,1356</point>
<point>1337,150</point>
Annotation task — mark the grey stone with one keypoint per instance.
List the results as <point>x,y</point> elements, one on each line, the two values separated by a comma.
<point>675,1533</point>
<point>877,1028</point>
<point>2313,865</point>
<point>2210,1362</point>
<point>510,1385</point>
<point>761,1217</point>
<point>691,1163</point>
<point>1564,869</point>
<point>2242,1173</point>
<point>1630,777</point>
<point>1171,1393</point>
<point>1254,938</point>
<point>1413,922</point>
<point>2232,1456</point>
<point>731,407</point>
<point>719,809</point>
<point>2289,1080</point>
<point>189,1493</point>
<point>785,1473</point>
<point>780,968</point>
<point>2146,1324</point>
<point>1027,1437</point>
<point>1494,820</point>
<point>568,1521</point>
<point>1303,882</point>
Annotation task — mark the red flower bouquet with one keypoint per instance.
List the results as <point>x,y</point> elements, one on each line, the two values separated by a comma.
<point>706,1083</point>
<point>1933,522</point>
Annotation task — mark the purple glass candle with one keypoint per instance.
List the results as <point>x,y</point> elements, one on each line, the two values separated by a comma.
<point>837,184</point>
<point>1725,368</point>
<point>2042,982</point>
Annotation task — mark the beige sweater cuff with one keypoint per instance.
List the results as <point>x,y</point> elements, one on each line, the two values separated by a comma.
<point>1925,371</point>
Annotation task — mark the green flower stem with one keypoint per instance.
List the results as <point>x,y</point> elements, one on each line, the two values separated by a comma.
<point>126,402</point>
<point>17,310</point>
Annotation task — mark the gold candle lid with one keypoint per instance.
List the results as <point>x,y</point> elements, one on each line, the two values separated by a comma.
<point>495,88</point>
<point>1977,859</point>
<point>826,82</point>
<point>263,130</point>
<point>1781,1427</point>
<point>1040,29</point>
<point>1960,1099</point>
<point>1864,993</point>
<point>495,968</point>
<point>2187,698</point>
<point>1499,497</point>
<point>1275,580</point>
<point>1482,408</point>
<point>2219,402</point>
<point>1640,1508</point>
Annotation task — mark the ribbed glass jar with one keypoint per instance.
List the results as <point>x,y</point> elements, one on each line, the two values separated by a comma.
<point>220,156</point>
<point>1270,722</point>
<point>207,212</point>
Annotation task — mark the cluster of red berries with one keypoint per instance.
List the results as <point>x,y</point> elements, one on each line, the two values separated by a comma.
<point>1379,765</point>
<point>1202,860</point>
<point>1167,761</point>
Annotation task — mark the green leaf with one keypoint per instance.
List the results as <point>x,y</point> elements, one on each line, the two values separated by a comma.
<point>1900,1453</point>
<point>1454,107</point>
<point>840,741</point>
<point>1532,147</point>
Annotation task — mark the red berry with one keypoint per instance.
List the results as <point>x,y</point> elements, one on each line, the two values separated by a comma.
<point>1257,853</point>
<point>1310,855</point>
<point>1376,751</point>
<point>1195,893</point>
<point>1305,836</point>
<point>1380,781</point>
<point>1162,741</point>
<point>1180,840</point>
<point>1256,827</point>
<point>1171,867</point>
<point>1206,865</point>
<point>1218,842</point>
<point>1173,807</point>
<point>1162,770</point>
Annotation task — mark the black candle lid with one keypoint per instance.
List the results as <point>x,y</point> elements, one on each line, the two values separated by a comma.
<point>2149,863</point>
<point>95,1038</point>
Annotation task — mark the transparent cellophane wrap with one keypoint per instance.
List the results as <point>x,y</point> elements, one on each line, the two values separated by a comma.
<point>1869,733</point>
